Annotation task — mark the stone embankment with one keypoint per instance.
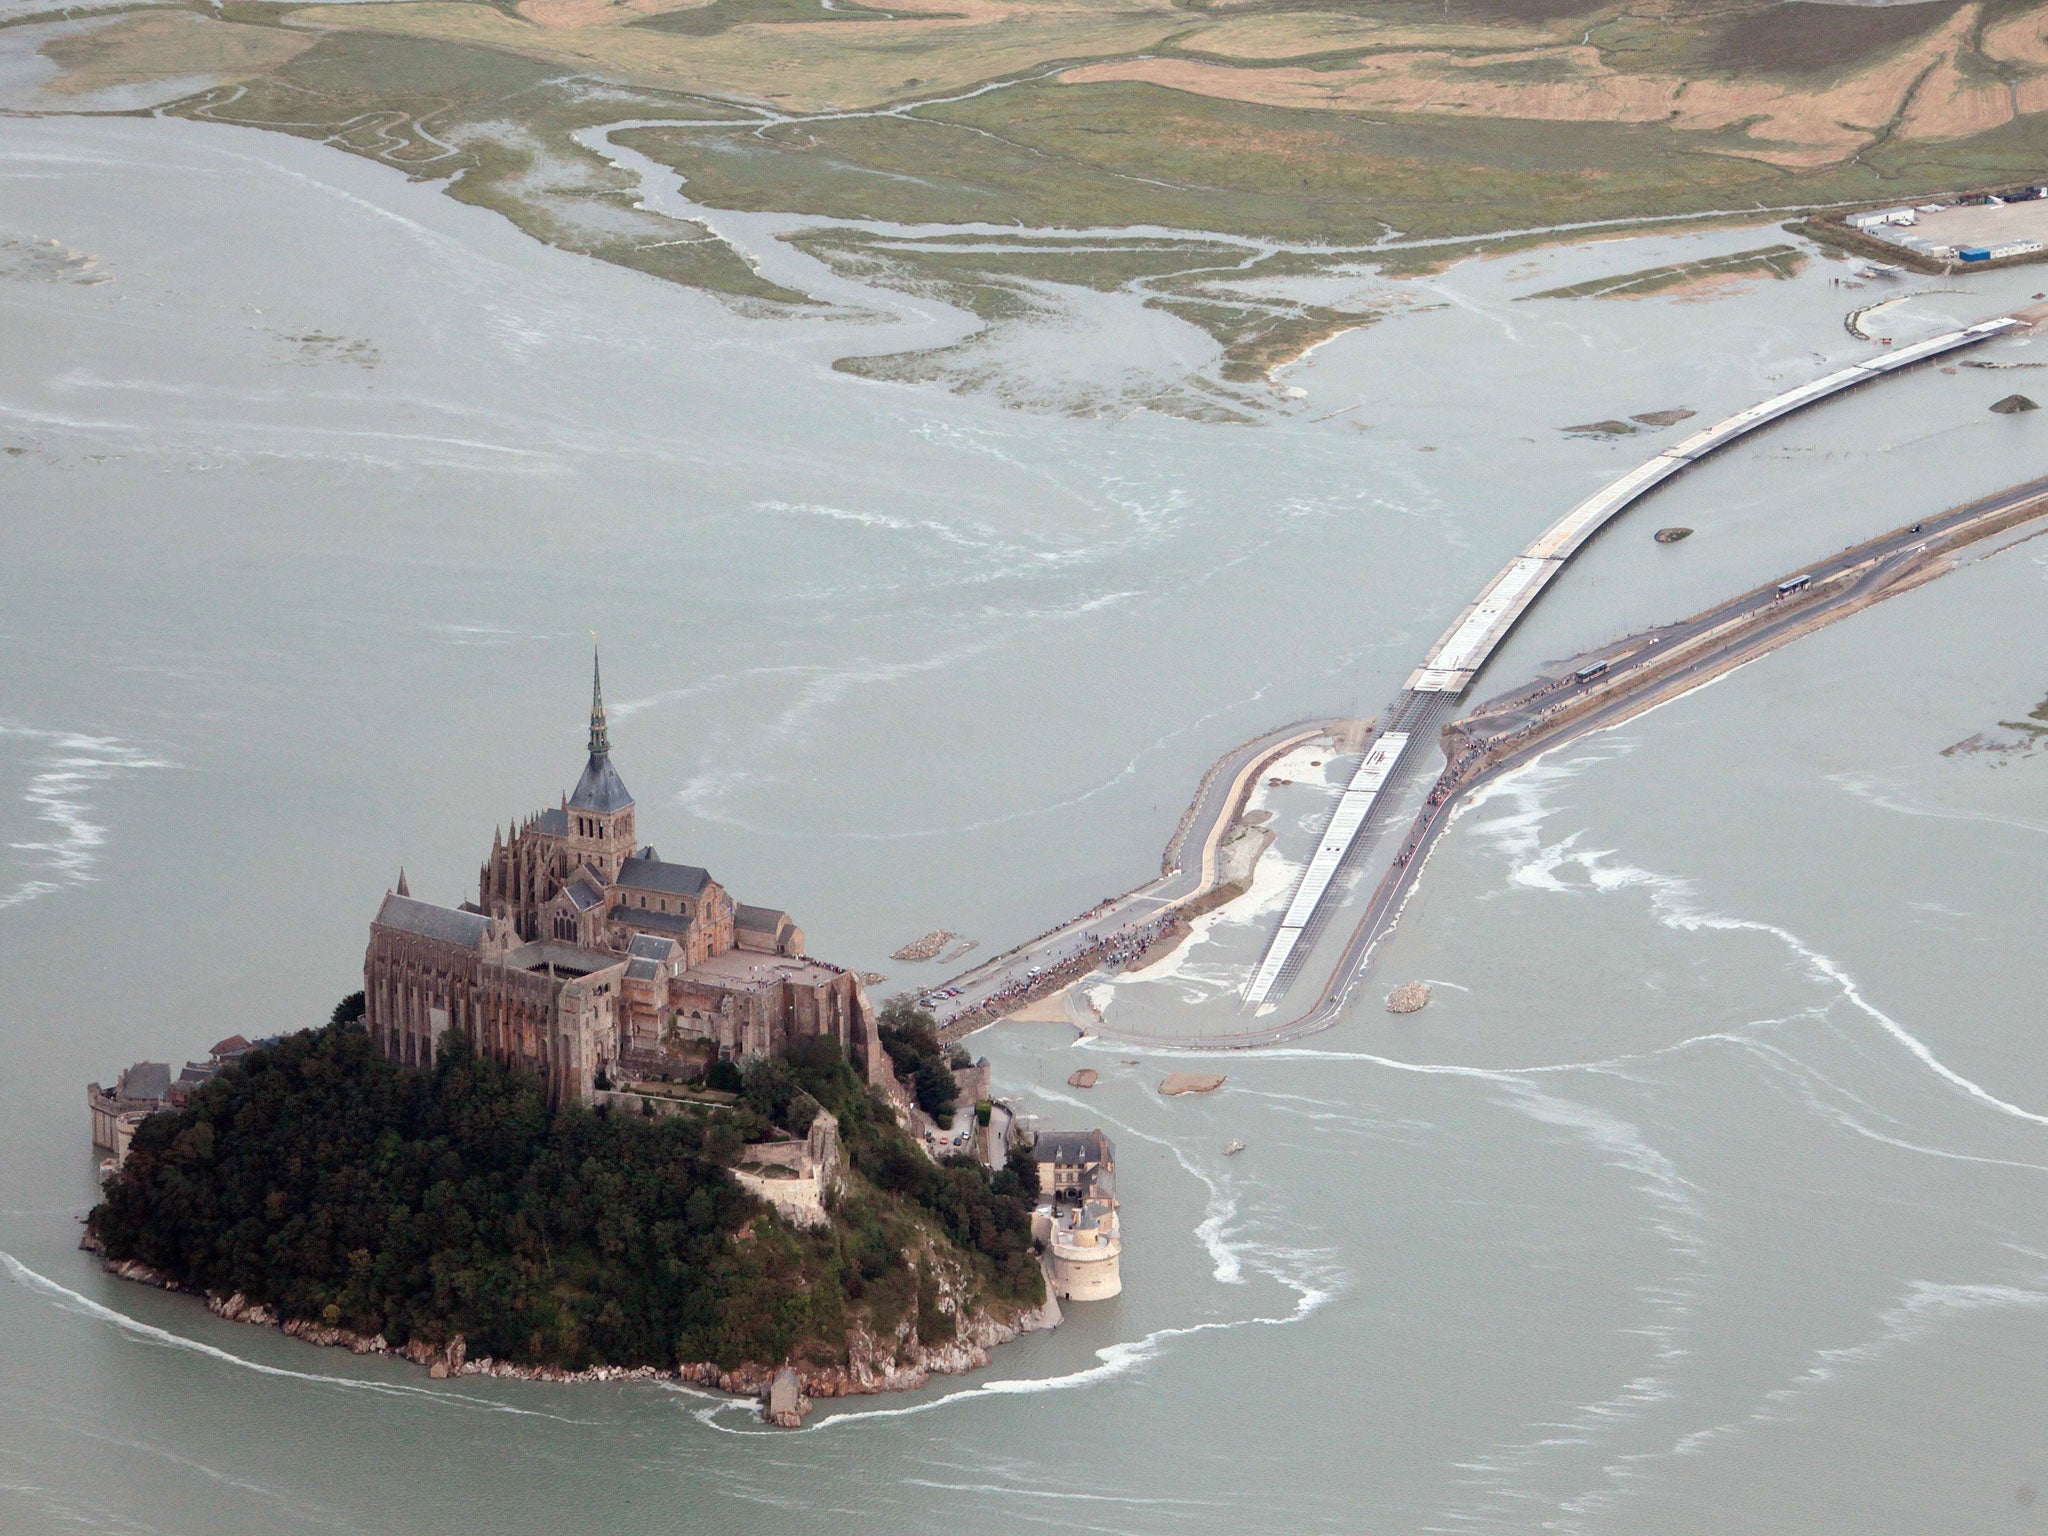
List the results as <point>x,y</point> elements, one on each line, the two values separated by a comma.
<point>893,1362</point>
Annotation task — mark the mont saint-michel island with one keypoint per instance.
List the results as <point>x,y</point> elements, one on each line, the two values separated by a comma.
<point>1316,803</point>
<point>606,1121</point>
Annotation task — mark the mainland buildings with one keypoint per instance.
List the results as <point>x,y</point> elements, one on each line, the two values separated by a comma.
<point>586,955</point>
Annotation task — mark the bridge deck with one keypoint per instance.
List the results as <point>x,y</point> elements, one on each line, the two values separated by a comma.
<point>1447,671</point>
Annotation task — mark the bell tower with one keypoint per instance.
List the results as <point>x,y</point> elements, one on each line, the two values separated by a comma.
<point>600,811</point>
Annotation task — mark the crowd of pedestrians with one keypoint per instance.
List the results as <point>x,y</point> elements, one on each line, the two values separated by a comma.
<point>1111,952</point>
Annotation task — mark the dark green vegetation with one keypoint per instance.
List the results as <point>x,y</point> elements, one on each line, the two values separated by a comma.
<point>910,1036</point>
<point>336,1188</point>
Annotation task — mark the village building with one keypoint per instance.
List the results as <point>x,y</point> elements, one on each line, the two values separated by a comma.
<point>1069,1160</point>
<point>587,956</point>
<point>144,1089</point>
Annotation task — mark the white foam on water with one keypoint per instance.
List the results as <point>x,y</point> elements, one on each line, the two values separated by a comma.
<point>1925,1307</point>
<point>290,1508</point>
<point>59,794</point>
<point>1213,1230</point>
<point>1536,863</point>
<point>71,1301</point>
<point>1679,1220</point>
<point>1113,1361</point>
<point>1889,797</point>
<point>1813,1088</point>
<point>1674,904</point>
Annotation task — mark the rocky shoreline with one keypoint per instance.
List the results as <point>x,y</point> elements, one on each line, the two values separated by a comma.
<point>895,1363</point>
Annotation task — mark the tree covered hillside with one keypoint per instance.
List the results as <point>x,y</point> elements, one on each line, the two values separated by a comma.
<point>337,1188</point>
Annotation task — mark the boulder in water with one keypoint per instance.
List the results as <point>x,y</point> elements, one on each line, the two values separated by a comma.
<point>1190,1082</point>
<point>1409,997</point>
<point>2012,405</point>
<point>1085,1078</point>
<point>1672,535</point>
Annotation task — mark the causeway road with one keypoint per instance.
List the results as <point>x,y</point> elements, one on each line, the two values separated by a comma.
<point>1613,684</point>
<point>1397,758</point>
<point>1387,778</point>
<point>1125,923</point>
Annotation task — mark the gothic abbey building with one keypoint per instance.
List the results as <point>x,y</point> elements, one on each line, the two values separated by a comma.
<point>587,955</point>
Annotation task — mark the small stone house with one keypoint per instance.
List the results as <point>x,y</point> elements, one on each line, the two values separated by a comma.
<point>1072,1163</point>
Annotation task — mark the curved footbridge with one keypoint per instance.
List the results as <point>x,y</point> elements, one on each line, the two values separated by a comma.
<point>1412,721</point>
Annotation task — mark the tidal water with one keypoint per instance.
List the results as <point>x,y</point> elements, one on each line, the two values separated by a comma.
<point>1707,1195</point>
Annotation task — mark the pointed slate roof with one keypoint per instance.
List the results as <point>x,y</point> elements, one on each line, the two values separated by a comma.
<point>600,789</point>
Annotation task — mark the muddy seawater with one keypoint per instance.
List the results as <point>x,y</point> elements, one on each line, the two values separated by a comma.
<point>1707,1194</point>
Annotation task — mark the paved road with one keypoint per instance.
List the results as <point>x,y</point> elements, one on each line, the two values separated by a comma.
<point>1127,919</point>
<point>1353,846</point>
<point>1635,674</point>
<point>1456,659</point>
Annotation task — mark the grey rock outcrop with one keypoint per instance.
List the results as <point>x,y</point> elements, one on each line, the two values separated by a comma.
<point>1409,997</point>
<point>786,1405</point>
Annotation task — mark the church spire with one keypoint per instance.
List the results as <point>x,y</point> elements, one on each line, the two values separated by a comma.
<point>599,789</point>
<point>600,739</point>
<point>403,888</point>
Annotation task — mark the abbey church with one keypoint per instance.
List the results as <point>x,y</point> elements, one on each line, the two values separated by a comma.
<point>587,956</point>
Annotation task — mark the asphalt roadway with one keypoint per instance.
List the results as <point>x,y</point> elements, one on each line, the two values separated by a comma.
<point>1563,707</point>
